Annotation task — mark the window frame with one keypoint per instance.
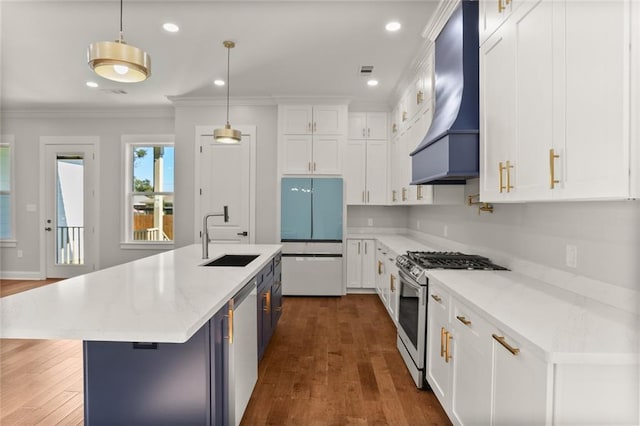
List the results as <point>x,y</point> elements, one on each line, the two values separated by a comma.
<point>10,241</point>
<point>128,143</point>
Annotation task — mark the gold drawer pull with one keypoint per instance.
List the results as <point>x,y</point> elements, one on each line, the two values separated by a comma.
<point>552,167</point>
<point>436,298</point>
<point>447,354</point>
<point>500,170</point>
<point>442,337</point>
<point>503,342</point>
<point>463,320</point>
<point>508,169</point>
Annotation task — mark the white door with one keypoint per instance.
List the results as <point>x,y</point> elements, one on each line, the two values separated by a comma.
<point>376,172</point>
<point>354,171</point>
<point>354,263</point>
<point>69,209</point>
<point>225,177</point>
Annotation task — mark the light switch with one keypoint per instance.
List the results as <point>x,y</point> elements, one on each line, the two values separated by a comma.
<point>572,256</point>
<point>370,222</point>
<point>32,207</point>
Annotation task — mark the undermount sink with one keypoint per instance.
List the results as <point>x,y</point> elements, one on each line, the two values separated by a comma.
<point>239,260</point>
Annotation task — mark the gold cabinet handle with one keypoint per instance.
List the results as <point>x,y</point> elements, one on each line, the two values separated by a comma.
<point>404,194</point>
<point>379,268</point>
<point>419,194</point>
<point>363,132</point>
<point>442,338</point>
<point>230,326</point>
<point>500,6</point>
<point>358,247</point>
<point>314,126</point>
<point>309,166</point>
<point>463,320</point>
<point>503,342</point>
<point>309,126</point>
<point>365,247</point>
<point>393,195</point>
<point>314,166</point>
<point>363,196</point>
<point>404,116</point>
<point>508,168</point>
<point>436,298</point>
<point>447,354</point>
<point>392,283</point>
<point>419,97</point>
<point>368,132</point>
<point>394,128</point>
<point>267,298</point>
<point>368,196</point>
<point>500,170</point>
<point>552,167</point>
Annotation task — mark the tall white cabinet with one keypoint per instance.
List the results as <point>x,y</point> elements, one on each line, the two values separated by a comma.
<point>366,158</point>
<point>361,260</point>
<point>312,138</point>
<point>555,103</point>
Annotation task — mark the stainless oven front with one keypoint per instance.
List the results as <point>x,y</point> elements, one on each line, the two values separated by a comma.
<point>412,325</point>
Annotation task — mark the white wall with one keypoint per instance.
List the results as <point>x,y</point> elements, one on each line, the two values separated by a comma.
<point>27,129</point>
<point>381,217</point>
<point>265,120</point>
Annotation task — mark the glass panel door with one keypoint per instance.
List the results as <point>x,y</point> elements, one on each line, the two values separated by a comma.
<point>69,229</point>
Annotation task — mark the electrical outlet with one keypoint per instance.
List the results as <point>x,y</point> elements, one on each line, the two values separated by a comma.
<point>19,253</point>
<point>32,208</point>
<point>418,225</point>
<point>445,231</point>
<point>370,222</point>
<point>572,256</point>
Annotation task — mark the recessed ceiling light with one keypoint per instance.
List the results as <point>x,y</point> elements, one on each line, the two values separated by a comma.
<point>171,27</point>
<point>218,82</point>
<point>393,26</point>
<point>372,82</point>
<point>92,84</point>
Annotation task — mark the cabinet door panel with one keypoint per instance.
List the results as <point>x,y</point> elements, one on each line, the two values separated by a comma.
<point>534,91</point>
<point>354,263</point>
<point>376,173</point>
<point>326,155</point>
<point>368,264</point>
<point>298,120</point>
<point>377,125</point>
<point>355,171</point>
<point>328,120</point>
<point>298,154</point>
<point>595,160</point>
<point>437,322</point>
<point>497,112</point>
<point>357,125</point>
<point>519,386</point>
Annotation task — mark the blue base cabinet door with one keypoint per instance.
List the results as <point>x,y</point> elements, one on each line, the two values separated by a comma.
<point>142,383</point>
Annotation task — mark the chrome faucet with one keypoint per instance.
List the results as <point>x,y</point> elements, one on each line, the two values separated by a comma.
<point>205,229</point>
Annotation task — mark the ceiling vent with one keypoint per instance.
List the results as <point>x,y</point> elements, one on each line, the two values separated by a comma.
<point>113,91</point>
<point>366,70</point>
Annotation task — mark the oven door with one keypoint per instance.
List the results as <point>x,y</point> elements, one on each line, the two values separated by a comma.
<point>412,318</point>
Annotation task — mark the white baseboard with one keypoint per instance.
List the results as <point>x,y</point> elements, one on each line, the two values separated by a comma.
<point>20,275</point>
<point>361,291</point>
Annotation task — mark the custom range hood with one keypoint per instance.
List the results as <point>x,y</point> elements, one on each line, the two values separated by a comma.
<point>449,153</point>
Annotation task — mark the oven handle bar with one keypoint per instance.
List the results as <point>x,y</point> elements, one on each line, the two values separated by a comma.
<point>406,279</point>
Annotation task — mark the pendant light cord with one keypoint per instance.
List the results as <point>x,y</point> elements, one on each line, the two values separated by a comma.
<point>121,7</point>
<point>228,82</point>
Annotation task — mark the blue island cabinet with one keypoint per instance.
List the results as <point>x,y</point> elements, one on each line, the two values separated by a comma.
<point>140,383</point>
<point>269,302</point>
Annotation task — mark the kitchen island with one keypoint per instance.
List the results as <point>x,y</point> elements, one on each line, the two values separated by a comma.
<point>155,331</point>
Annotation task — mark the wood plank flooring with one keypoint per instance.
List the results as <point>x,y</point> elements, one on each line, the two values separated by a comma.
<point>331,361</point>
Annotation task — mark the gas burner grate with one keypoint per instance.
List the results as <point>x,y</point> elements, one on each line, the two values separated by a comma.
<point>451,260</point>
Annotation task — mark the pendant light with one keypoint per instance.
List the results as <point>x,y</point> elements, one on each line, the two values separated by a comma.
<point>118,61</point>
<point>227,135</point>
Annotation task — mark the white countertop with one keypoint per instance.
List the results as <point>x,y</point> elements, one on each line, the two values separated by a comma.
<point>164,298</point>
<point>559,325</point>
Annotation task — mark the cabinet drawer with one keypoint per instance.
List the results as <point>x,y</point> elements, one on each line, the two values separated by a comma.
<point>472,325</point>
<point>438,298</point>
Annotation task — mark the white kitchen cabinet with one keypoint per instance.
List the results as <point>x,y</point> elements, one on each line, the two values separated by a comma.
<point>365,171</point>
<point>381,272</point>
<point>313,119</point>
<point>394,290</point>
<point>361,264</point>
<point>493,13</point>
<point>368,125</point>
<point>471,366</point>
<point>312,139</point>
<point>547,132</point>
<point>439,344</point>
<point>521,383</point>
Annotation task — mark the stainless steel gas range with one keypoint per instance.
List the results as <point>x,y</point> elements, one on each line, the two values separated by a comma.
<point>412,309</point>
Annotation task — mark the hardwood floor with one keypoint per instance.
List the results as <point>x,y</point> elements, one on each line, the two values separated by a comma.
<point>8,287</point>
<point>331,361</point>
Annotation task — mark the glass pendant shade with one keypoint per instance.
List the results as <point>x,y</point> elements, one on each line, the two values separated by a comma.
<point>118,61</point>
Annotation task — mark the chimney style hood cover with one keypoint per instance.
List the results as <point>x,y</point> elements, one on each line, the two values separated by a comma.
<point>449,153</point>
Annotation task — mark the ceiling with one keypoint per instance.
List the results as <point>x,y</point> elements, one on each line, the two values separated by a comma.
<point>283,49</point>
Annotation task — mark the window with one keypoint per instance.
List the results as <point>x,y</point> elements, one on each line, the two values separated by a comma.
<point>149,189</point>
<point>6,189</point>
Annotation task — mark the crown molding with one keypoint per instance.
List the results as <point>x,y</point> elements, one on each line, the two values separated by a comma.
<point>316,100</point>
<point>204,101</point>
<point>159,112</point>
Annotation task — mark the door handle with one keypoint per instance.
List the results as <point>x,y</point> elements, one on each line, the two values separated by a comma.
<point>243,233</point>
<point>48,228</point>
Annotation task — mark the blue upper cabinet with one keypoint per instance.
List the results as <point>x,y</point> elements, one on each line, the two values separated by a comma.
<point>311,209</point>
<point>327,209</point>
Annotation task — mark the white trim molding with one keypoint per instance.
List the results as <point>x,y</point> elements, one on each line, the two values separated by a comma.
<point>10,140</point>
<point>20,275</point>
